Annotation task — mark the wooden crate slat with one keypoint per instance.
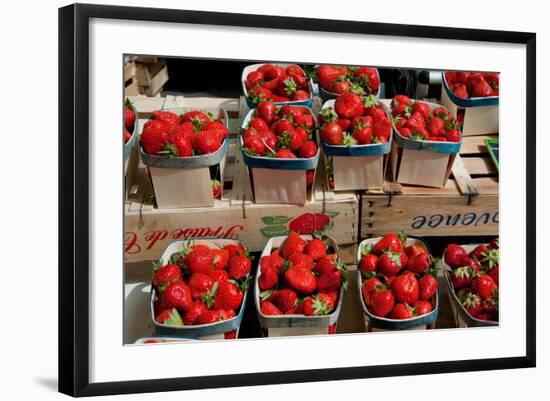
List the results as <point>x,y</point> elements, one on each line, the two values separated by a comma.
<point>479,165</point>
<point>462,178</point>
<point>475,144</point>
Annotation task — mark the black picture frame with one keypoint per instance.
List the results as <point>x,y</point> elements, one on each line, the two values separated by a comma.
<point>74,201</point>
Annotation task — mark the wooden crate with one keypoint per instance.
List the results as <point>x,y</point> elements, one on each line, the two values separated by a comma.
<point>151,76</point>
<point>467,205</point>
<point>148,230</point>
<point>131,87</point>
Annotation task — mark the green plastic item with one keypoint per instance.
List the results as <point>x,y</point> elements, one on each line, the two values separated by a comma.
<point>492,147</point>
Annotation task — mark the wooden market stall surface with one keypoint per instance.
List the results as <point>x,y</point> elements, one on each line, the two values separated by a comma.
<point>468,206</point>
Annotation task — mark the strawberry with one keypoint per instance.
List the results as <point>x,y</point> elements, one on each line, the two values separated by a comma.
<point>177,295</point>
<point>268,279</point>
<point>219,275</point>
<point>216,189</point>
<point>153,139</point>
<point>269,309</point>
<point>169,317</point>
<point>478,252</point>
<point>422,307</point>
<point>282,126</point>
<point>228,296</point>
<point>181,138</point>
<point>301,260</point>
<point>494,273</point>
<point>332,133</point>
<point>331,280</point>
<point>205,142</point>
<point>482,89</point>
<point>208,316</point>
<point>320,305</point>
<point>461,277</point>
<point>293,244</point>
<point>382,301</point>
<point>300,94</point>
<point>405,288</point>
<point>391,263</point>
<point>422,108</point>
<point>258,124</point>
<point>472,303</point>
<point>301,279</point>
<point>285,299</point>
<point>273,261</point>
<point>291,140</point>
<point>218,128</point>
<point>235,249</point>
<point>198,118</point>
<point>254,78</point>
<point>367,289</point>
<point>316,248</point>
<point>239,266</point>
<point>258,94</point>
<point>199,284</point>
<point>285,154</point>
<point>199,260</point>
<point>382,128</point>
<point>390,242</point>
<point>129,118</point>
<point>193,313</point>
<point>483,285</point>
<point>168,117</point>
<point>341,85</point>
<point>402,311</point>
<point>414,249</point>
<point>452,135</point>
<point>453,254</point>
<point>363,135</point>
<point>427,287</point>
<point>348,105</point>
<point>310,175</point>
<point>368,78</point>
<point>460,90</point>
<point>254,145</point>
<point>293,69</point>
<point>305,121</point>
<point>327,74</point>
<point>368,264</point>
<point>471,263</point>
<point>266,111</point>
<point>436,126</point>
<point>165,276</point>
<point>308,150</point>
<point>127,135</point>
<point>419,263</point>
<point>226,314</point>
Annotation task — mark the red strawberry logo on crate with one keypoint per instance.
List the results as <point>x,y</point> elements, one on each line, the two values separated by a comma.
<point>307,223</point>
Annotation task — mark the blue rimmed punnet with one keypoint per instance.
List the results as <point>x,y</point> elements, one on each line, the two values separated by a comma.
<point>251,104</point>
<point>129,146</point>
<point>471,102</point>
<point>254,161</point>
<point>396,324</point>
<point>197,161</point>
<point>371,149</point>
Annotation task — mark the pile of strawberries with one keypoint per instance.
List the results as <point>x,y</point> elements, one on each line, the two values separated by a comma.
<point>414,120</point>
<point>475,278</point>
<point>472,84</point>
<point>355,120</point>
<point>129,120</point>
<point>301,278</point>
<point>277,83</point>
<point>342,79</point>
<point>193,133</point>
<point>399,282</point>
<point>201,285</point>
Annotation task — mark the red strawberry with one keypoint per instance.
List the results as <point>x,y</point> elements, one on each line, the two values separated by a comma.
<point>153,139</point>
<point>301,279</point>
<point>129,118</point>
<point>258,94</point>
<point>268,279</point>
<point>316,248</point>
<point>367,77</point>
<point>290,112</point>
<point>382,128</point>
<point>422,307</point>
<point>200,260</point>
<point>199,284</point>
<point>273,261</point>
<point>317,306</point>
<point>219,275</point>
<point>368,264</point>
<point>402,311</point>
<point>300,94</point>
<point>293,244</point>
<point>258,124</point>
<point>414,249</point>
<point>482,89</point>
<point>305,120</point>
<point>348,105</point>
<point>266,110</point>
<point>363,135</point>
<point>285,154</point>
<point>226,314</point>
<point>198,118</point>
<point>368,287</point>
<point>228,296</point>
<point>452,135</point>
<point>471,263</point>
<point>177,295</point>
<point>461,277</point>
<point>494,273</point>
<point>301,260</point>
<point>436,126</point>
<point>165,276</point>
<point>205,142</point>
<point>391,263</point>
<point>293,69</point>
<point>218,127</point>
<point>127,135</point>
<point>419,263</point>
<point>193,313</point>
<point>422,108</point>
<point>221,258</point>
<point>479,252</point>
<point>341,85</point>
<point>282,126</point>
<point>332,134</point>
<point>168,117</point>
<point>254,78</point>
<point>472,303</point>
<point>235,249</point>
<point>460,90</point>
<point>269,309</point>
<point>208,316</point>
<point>390,242</point>
<point>285,299</point>
<point>427,285</point>
<point>483,285</point>
<point>239,266</point>
<point>405,288</point>
<point>326,74</point>
<point>308,150</point>
<point>216,189</point>
<point>310,175</point>
<point>291,140</point>
<point>453,255</point>
<point>332,278</point>
<point>382,301</point>
<point>169,317</point>
<point>309,223</point>
<point>254,145</point>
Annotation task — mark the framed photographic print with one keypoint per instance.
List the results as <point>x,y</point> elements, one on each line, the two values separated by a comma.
<point>295,211</point>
